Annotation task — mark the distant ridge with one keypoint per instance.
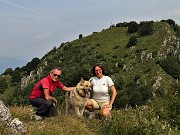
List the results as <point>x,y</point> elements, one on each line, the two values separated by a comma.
<point>10,63</point>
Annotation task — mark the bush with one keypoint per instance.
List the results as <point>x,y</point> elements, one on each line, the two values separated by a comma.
<point>133,27</point>
<point>80,36</point>
<point>145,92</point>
<point>3,85</point>
<point>9,71</point>
<point>122,101</point>
<point>133,95</point>
<point>140,121</point>
<point>174,105</point>
<point>160,92</point>
<point>132,41</point>
<point>171,66</point>
<point>146,29</point>
<point>135,98</point>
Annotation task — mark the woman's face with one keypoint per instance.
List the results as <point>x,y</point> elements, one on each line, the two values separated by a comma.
<point>98,72</point>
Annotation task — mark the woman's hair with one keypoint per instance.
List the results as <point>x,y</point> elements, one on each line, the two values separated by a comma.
<point>100,66</point>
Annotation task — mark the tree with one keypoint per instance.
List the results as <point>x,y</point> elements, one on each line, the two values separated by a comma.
<point>3,85</point>
<point>16,77</point>
<point>133,27</point>
<point>135,99</point>
<point>171,66</point>
<point>145,92</point>
<point>171,22</point>
<point>8,71</point>
<point>145,29</point>
<point>122,101</point>
<point>80,36</point>
<point>32,65</point>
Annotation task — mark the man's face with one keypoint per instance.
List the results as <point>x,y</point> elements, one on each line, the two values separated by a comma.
<point>55,75</point>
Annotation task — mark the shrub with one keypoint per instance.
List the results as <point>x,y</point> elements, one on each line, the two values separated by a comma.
<point>124,24</point>
<point>171,66</point>
<point>3,85</point>
<point>140,121</point>
<point>80,36</point>
<point>135,98</point>
<point>133,95</point>
<point>122,101</point>
<point>160,92</point>
<point>116,46</point>
<point>145,91</point>
<point>133,27</point>
<point>9,71</point>
<point>146,29</point>
<point>132,41</point>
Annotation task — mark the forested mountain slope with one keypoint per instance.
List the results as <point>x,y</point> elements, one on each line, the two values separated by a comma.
<point>142,59</point>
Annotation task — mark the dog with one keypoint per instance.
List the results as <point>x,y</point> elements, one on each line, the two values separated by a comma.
<point>76,100</point>
<point>15,125</point>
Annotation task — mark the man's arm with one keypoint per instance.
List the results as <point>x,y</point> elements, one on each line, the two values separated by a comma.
<point>68,88</point>
<point>48,96</point>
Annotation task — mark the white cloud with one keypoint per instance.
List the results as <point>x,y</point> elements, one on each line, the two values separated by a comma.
<point>19,6</point>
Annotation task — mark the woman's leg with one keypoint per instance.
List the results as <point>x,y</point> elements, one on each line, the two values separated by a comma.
<point>106,110</point>
<point>89,106</point>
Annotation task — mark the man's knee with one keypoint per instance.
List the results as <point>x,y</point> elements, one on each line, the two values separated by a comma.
<point>49,103</point>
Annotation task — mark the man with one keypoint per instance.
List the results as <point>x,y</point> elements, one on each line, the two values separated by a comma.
<point>41,96</point>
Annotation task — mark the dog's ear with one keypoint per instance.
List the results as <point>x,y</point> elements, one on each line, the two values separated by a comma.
<point>82,80</point>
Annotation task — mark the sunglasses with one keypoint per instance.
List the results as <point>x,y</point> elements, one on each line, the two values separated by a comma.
<point>56,75</point>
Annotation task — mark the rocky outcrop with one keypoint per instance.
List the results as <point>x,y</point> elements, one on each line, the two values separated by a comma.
<point>15,125</point>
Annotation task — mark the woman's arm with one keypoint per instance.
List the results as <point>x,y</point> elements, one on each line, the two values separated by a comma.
<point>114,93</point>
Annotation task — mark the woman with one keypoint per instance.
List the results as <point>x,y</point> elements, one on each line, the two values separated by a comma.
<point>101,86</point>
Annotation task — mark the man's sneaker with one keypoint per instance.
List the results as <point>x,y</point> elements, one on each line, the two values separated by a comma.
<point>37,117</point>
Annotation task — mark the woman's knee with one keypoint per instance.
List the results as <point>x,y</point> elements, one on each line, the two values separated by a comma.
<point>105,112</point>
<point>89,105</point>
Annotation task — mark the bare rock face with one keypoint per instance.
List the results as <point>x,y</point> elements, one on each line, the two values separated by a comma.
<point>15,125</point>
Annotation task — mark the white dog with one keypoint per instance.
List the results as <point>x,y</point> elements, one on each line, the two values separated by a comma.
<point>76,100</point>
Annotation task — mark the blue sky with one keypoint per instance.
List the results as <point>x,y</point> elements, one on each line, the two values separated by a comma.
<point>31,28</point>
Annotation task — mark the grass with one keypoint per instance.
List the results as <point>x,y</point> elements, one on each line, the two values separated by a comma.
<point>140,121</point>
<point>59,125</point>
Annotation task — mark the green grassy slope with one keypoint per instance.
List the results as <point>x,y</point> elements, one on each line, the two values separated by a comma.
<point>138,64</point>
<point>108,47</point>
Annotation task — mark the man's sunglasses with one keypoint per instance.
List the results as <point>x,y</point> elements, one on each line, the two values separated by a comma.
<point>56,75</point>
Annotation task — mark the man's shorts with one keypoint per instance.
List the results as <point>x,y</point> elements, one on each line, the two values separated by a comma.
<point>99,105</point>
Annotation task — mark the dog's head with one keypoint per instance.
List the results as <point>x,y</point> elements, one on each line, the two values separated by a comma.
<point>84,87</point>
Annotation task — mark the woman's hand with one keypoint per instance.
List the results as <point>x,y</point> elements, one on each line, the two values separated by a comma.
<point>106,106</point>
